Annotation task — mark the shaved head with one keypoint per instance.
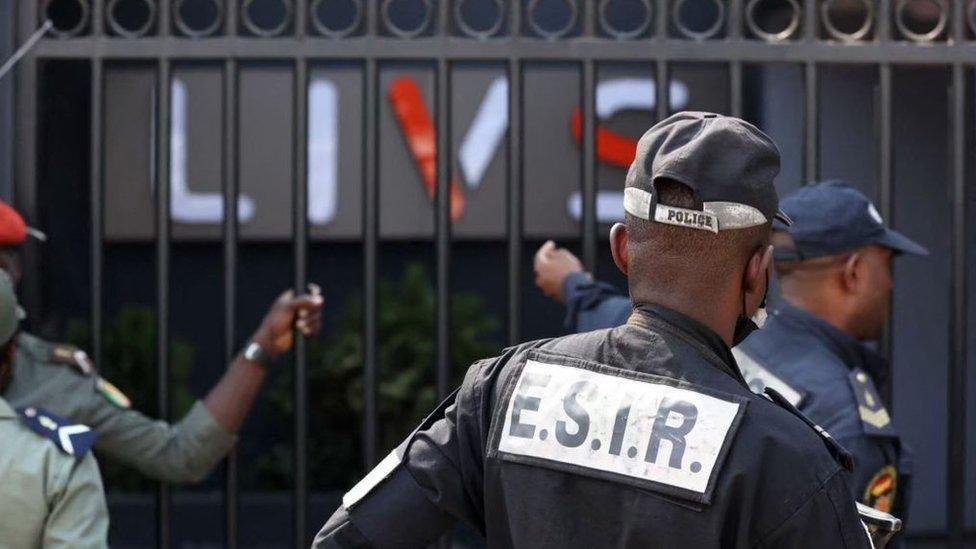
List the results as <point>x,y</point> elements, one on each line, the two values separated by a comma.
<point>714,278</point>
<point>679,259</point>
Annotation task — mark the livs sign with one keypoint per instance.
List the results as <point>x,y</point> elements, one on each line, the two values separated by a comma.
<point>407,143</point>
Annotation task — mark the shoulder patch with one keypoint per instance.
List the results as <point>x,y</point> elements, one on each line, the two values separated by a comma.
<point>71,355</point>
<point>623,426</point>
<point>112,393</point>
<point>874,416</point>
<point>759,377</point>
<point>72,439</point>
<point>882,489</point>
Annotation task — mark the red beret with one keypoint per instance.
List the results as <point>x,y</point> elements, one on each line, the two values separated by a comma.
<point>13,229</point>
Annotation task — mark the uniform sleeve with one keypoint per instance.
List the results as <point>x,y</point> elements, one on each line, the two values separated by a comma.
<point>183,452</point>
<point>828,519</point>
<point>79,516</point>
<point>593,305</point>
<point>436,482</point>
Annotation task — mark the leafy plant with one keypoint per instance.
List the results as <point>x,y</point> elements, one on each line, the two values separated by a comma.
<point>406,390</point>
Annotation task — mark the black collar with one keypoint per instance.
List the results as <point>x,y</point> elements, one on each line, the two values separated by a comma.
<point>851,351</point>
<point>696,333</point>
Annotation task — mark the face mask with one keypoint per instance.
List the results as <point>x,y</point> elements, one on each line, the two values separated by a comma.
<point>745,325</point>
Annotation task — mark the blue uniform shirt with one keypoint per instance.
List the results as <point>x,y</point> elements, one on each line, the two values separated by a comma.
<point>834,377</point>
<point>826,373</point>
<point>593,305</point>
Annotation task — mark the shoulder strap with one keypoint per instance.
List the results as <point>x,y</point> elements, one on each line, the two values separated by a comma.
<point>72,439</point>
<point>759,377</point>
<point>874,416</point>
<point>62,353</point>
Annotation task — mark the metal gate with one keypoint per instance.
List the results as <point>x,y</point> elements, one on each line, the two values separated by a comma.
<point>587,33</point>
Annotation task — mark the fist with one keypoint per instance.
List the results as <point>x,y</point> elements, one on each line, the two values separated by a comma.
<point>552,265</point>
<point>288,313</point>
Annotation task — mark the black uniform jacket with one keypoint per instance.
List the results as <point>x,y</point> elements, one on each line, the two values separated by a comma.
<point>644,435</point>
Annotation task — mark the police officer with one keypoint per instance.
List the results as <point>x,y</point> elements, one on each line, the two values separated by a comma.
<point>811,350</point>
<point>61,379</point>
<point>50,489</point>
<point>644,434</point>
<point>590,304</point>
<point>834,266</point>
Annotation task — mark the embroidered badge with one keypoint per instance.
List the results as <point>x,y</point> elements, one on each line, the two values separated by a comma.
<point>881,490</point>
<point>623,426</point>
<point>112,393</point>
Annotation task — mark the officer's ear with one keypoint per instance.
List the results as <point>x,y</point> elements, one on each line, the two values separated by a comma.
<point>850,273</point>
<point>618,247</point>
<point>754,278</point>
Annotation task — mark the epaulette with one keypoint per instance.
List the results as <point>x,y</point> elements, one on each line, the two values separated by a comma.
<point>874,416</point>
<point>72,439</point>
<point>758,377</point>
<point>69,354</point>
<point>839,453</point>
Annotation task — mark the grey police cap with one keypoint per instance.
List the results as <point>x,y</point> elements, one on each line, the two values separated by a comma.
<point>10,312</point>
<point>728,163</point>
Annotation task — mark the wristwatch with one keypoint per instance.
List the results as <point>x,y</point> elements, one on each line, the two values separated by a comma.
<point>254,352</point>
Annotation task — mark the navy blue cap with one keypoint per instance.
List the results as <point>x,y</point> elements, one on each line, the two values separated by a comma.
<point>833,217</point>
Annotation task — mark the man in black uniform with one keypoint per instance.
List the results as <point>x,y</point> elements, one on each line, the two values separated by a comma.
<point>641,435</point>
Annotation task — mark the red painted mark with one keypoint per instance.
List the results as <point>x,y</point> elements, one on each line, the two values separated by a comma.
<point>417,126</point>
<point>611,147</point>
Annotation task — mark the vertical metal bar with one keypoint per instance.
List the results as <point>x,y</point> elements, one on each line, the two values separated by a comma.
<point>165,13</point>
<point>662,92</point>
<point>26,119</point>
<point>735,89</point>
<point>372,18</point>
<point>885,199</point>
<point>163,506</point>
<point>370,255</point>
<point>958,330</point>
<point>884,20</point>
<point>231,505</point>
<point>811,143</point>
<point>735,67</point>
<point>588,149</point>
<point>811,100</point>
<point>230,18</point>
<point>442,226</point>
<point>589,18</point>
<point>885,177</point>
<point>301,18</point>
<point>514,190</point>
<point>96,142</point>
<point>300,229</point>
<point>661,78</point>
<point>444,18</point>
<point>97,18</point>
<point>515,18</point>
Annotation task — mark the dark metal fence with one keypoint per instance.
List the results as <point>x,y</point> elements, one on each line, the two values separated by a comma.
<point>586,32</point>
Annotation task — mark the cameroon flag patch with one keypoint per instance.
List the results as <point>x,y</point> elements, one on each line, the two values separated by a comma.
<point>113,394</point>
<point>880,492</point>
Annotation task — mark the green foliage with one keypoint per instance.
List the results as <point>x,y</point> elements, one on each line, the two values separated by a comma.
<point>406,392</point>
<point>129,347</point>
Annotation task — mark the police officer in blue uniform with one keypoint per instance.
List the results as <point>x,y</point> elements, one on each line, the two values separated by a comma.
<point>641,435</point>
<point>834,267</point>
